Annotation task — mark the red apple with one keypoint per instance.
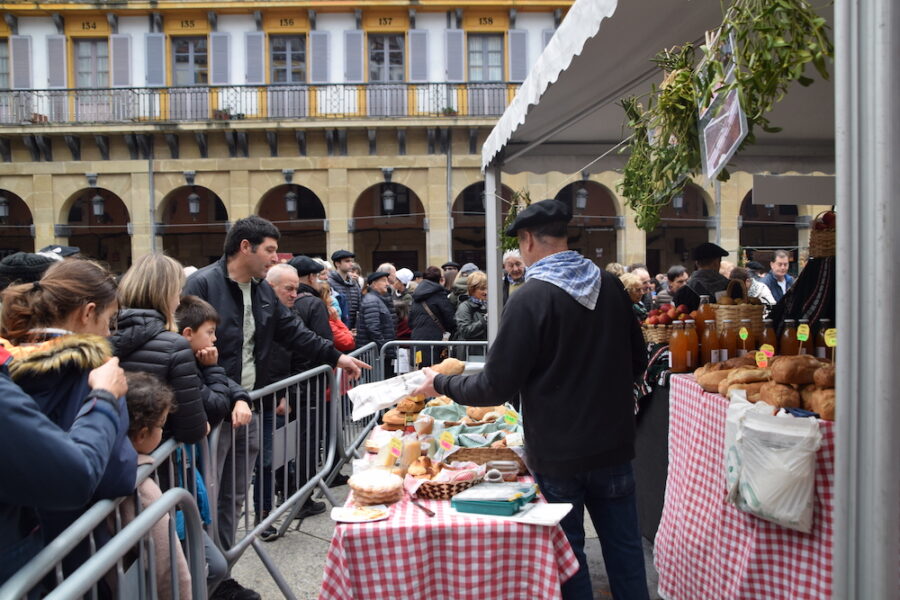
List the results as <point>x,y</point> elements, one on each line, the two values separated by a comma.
<point>682,308</point>
<point>654,320</point>
<point>653,312</point>
<point>672,313</point>
<point>829,219</point>
<point>664,319</point>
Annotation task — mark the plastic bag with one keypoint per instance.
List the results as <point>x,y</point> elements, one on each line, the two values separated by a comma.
<point>734,417</point>
<point>777,468</point>
<point>369,398</point>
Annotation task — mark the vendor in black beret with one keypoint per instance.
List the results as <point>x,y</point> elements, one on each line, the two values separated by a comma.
<point>540,213</point>
<point>706,280</point>
<point>23,267</point>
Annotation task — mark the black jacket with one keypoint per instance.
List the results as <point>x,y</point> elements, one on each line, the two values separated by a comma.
<point>351,292</point>
<point>274,322</point>
<point>375,323</point>
<point>574,369</point>
<point>143,343</point>
<point>311,310</point>
<point>423,326</point>
<point>471,321</point>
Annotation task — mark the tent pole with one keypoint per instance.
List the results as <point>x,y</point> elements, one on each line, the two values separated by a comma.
<point>492,220</point>
<point>867,140</point>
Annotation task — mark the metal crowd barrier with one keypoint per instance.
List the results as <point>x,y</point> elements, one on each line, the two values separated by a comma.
<point>135,578</point>
<point>423,353</point>
<point>283,454</point>
<point>354,433</point>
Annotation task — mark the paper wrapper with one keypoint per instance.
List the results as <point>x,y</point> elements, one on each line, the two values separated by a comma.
<point>369,398</point>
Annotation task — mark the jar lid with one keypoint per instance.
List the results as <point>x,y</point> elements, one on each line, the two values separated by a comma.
<point>502,465</point>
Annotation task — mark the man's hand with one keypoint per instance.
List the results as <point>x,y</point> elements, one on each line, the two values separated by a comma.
<point>282,408</point>
<point>352,366</point>
<point>208,357</point>
<point>240,414</point>
<point>109,377</point>
<point>427,388</point>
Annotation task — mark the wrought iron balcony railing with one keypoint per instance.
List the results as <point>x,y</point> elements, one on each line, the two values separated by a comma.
<point>271,102</point>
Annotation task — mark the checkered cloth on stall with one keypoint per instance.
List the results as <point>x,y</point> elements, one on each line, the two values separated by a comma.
<point>706,548</point>
<point>412,555</point>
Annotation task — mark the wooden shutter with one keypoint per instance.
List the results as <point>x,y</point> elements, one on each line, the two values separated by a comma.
<point>20,51</point>
<point>518,54</point>
<point>156,59</point>
<point>219,46</point>
<point>319,56</point>
<point>455,54</point>
<point>418,55</point>
<point>56,61</point>
<point>120,59</point>
<point>353,56</point>
<point>548,34</point>
<point>255,42</point>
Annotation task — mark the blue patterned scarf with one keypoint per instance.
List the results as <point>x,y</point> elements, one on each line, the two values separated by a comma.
<point>572,273</point>
<point>476,301</point>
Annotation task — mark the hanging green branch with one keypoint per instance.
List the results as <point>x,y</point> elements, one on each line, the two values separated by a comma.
<point>518,201</point>
<point>774,42</point>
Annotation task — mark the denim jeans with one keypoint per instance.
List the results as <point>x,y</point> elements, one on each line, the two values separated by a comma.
<point>608,495</point>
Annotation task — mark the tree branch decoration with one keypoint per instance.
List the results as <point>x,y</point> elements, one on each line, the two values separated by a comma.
<point>518,201</point>
<point>774,42</point>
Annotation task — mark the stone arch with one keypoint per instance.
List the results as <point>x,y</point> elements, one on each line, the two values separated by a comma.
<point>468,214</point>
<point>766,228</point>
<point>303,229</point>
<point>396,236</point>
<point>97,221</point>
<point>682,227</point>
<point>594,229</point>
<point>194,238</point>
<point>16,224</point>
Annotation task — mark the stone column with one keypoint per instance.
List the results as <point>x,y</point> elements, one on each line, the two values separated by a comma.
<point>339,207</point>
<point>437,237</point>
<point>44,212</point>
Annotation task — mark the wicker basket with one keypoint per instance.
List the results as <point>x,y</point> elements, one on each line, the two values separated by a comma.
<point>738,312</point>
<point>482,456</point>
<point>658,334</point>
<point>433,490</point>
<point>822,243</point>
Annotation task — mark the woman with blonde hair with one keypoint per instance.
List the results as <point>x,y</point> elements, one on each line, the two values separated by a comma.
<point>635,288</point>
<point>145,340</point>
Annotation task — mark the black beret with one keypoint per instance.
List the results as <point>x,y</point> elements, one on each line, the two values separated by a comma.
<point>755,266</point>
<point>61,250</point>
<point>341,255</point>
<point>709,250</point>
<point>540,213</point>
<point>450,264</point>
<point>376,275</point>
<point>305,265</point>
<point>24,267</point>
<point>417,274</point>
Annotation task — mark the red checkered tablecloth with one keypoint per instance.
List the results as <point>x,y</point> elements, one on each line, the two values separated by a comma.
<point>706,548</point>
<point>412,555</point>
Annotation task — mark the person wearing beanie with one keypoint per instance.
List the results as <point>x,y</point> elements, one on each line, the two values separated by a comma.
<point>23,267</point>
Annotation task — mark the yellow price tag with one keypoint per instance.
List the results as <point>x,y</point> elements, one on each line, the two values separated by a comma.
<point>768,350</point>
<point>743,333</point>
<point>762,361</point>
<point>395,447</point>
<point>831,337</point>
<point>511,416</point>
<point>803,332</point>
<point>418,357</point>
<point>446,440</point>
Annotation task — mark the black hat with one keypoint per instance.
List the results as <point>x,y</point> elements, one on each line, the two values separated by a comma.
<point>755,266</point>
<point>63,251</point>
<point>709,250</point>
<point>450,264</point>
<point>540,213</point>
<point>341,255</point>
<point>305,265</point>
<point>417,274</point>
<point>376,275</point>
<point>24,267</point>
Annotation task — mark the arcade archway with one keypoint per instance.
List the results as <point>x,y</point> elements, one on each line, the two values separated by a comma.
<point>192,224</point>
<point>766,228</point>
<point>300,217</point>
<point>388,225</point>
<point>16,225</point>
<point>595,224</point>
<point>468,214</point>
<point>684,225</point>
<point>97,222</point>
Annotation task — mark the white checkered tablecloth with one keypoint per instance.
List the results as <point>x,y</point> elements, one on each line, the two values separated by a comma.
<point>412,555</point>
<point>706,548</point>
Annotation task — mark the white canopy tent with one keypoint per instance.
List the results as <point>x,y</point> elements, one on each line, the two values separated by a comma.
<point>566,115</point>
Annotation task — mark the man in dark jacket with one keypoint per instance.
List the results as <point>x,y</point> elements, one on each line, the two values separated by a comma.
<point>569,345</point>
<point>706,280</point>
<point>777,279</point>
<point>431,316</point>
<point>250,319</point>
<point>47,468</point>
<point>344,283</point>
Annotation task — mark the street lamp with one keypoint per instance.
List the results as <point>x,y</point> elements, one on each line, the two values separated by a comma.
<point>678,204</point>
<point>290,202</point>
<point>98,205</point>
<point>770,209</point>
<point>193,204</point>
<point>387,199</point>
<point>4,207</point>
<point>581,197</point>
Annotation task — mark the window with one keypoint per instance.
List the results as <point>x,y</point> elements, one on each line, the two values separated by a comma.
<point>191,61</point>
<point>386,58</point>
<point>485,57</point>
<point>288,58</point>
<point>91,63</point>
<point>4,64</point>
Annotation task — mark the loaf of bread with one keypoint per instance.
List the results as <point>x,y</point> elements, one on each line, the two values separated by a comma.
<point>745,375</point>
<point>450,366</point>
<point>779,395</point>
<point>797,370</point>
<point>739,361</point>
<point>710,381</point>
<point>411,404</point>
<point>710,367</point>
<point>824,376</point>
<point>822,402</point>
<point>806,393</point>
<point>753,389</point>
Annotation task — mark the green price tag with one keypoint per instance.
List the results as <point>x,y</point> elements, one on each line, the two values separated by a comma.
<point>743,333</point>
<point>831,337</point>
<point>803,332</point>
<point>511,416</point>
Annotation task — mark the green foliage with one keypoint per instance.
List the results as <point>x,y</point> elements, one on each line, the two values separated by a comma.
<point>519,200</point>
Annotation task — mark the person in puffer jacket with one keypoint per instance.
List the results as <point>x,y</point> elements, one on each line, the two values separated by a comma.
<point>375,322</point>
<point>149,292</point>
<point>433,322</point>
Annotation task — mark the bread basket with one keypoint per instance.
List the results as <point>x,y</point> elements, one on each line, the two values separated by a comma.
<point>433,490</point>
<point>483,456</point>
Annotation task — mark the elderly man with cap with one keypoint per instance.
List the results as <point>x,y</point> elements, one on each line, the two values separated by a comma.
<point>376,322</point>
<point>569,346</point>
<point>706,280</point>
<point>343,282</point>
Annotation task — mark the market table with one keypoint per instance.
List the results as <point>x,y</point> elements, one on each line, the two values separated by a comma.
<point>412,555</point>
<point>707,548</point>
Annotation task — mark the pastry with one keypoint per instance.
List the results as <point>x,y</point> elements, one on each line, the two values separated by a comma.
<point>408,405</point>
<point>450,366</point>
<point>823,377</point>
<point>477,413</point>
<point>822,402</point>
<point>376,486</point>
<point>393,420</point>
<point>779,395</point>
<point>440,401</point>
<point>795,369</point>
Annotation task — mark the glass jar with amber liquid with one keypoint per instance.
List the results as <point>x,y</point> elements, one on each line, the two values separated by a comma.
<point>709,343</point>
<point>769,336</point>
<point>678,349</point>
<point>820,346</point>
<point>692,354</point>
<point>789,344</point>
<point>806,346</point>
<point>728,340</point>
<point>746,339</point>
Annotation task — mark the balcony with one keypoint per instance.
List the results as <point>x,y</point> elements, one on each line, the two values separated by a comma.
<point>255,103</point>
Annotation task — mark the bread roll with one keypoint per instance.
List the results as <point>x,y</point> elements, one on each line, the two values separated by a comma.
<point>824,376</point>
<point>752,388</point>
<point>698,373</point>
<point>779,395</point>
<point>710,381</point>
<point>740,361</point>
<point>806,393</point>
<point>450,366</point>
<point>394,417</point>
<point>477,413</point>
<point>409,405</point>
<point>795,369</point>
<point>822,402</point>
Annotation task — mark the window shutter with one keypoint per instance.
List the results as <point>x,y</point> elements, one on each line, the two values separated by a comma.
<point>518,54</point>
<point>156,59</point>
<point>120,59</point>
<point>454,58</point>
<point>219,44</point>
<point>255,42</point>
<point>319,56</point>
<point>548,34</point>
<point>20,48</point>
<point>418,55</point>
<point>56,61</point>
<point>353,56</point>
